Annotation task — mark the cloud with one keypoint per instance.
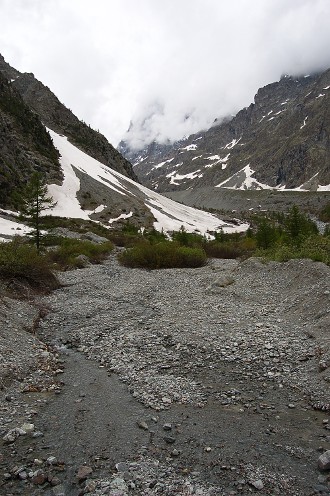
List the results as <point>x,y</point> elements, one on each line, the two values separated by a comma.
<point>170,67</point>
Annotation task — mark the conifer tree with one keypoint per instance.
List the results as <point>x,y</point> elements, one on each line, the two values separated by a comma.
<point>31,200</point>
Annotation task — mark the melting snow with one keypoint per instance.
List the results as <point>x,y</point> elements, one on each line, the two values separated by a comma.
<point>189,148</point>
<point>169,214</point>
<point>121,216</point>
<point>11,228</point>
<point>219,160</point>
<point>232,143</point>
<point>320,95</point>
<point>326,88</point>
<point>304,123</point>
<point>199,156</point>
<point>161,165</point>
<point>243,180</point>
<point>178,177</point>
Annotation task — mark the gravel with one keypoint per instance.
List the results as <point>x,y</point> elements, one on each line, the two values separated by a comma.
<point>224,381</point>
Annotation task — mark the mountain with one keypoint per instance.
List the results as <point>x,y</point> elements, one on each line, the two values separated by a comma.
<point>53,114</point>
<point>280,141</point>
<point>24,144</point>
<point>86,176</point>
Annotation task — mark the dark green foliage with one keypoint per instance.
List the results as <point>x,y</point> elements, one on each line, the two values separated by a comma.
<point>325,213</point>
<point>166,254</point>
<point>233,249</point>
<point>188,239</point>
<point>266,234</point>
<point>21,261</point>
<point>31,200</point>
<point>293,235</point>
<point>11,103</point>
<point>297,226</point>
<point>66,254</point>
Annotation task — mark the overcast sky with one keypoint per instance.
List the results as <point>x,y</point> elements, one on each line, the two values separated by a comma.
<point>169,66</point>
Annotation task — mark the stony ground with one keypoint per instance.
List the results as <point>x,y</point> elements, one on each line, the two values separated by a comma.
<point>210,381</point>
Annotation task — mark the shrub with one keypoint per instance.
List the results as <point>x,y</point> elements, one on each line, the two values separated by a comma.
<point>316,248</point>
<point>65,255</point>
<point>230,249</point>
<point>21,261</point>
<point>166,254</point>
<point>325,213</point>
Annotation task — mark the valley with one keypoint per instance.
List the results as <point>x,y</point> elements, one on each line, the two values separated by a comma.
<point>211,381</point>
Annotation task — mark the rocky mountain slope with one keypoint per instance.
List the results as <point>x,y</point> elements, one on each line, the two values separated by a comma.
<point>56,116</point>
<point>24,144</point>
<point>280,141</point>
<point>87,177</point>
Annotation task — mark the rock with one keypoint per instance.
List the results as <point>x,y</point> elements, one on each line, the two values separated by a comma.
<point>83,261</point>
<point>324,461</point>
<point>222,282</point>
<point>27,428</point>
<point>258,484</point>
<point>90,486</point>
<point>167,427</point>
<point>323,365</point>
<point>11,436</point>
<point>59,491</point>
<point>118,487</point>
<point>39,477</point>
<point>51,460</point>
<point>94,238</point>
<point>175,453</point>
<point>121,467</point>
<point>83,472</point>
<point>169,439</point>
<point>143,425</point>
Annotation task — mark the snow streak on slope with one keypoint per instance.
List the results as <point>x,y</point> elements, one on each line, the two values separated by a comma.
<point>243,180</point>
<point>169,215</point>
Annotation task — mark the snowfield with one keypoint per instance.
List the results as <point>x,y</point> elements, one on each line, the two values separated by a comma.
<point>169,215</point>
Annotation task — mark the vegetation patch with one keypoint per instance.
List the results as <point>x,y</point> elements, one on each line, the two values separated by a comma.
<point>19,261</point>
<point>70,253</point>
<point>165,254</point>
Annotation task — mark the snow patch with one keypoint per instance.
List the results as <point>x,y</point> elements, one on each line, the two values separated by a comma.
<point>243,180</point>
<point>232,143</point>
<point>304,123</point>
<point>10,228</point>
<point>179,177</point>
<point>169,215</point>
<point>121,216</point>
<point>189,148</point>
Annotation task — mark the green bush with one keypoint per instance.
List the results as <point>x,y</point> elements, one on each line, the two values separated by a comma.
<point>315,248</point>
<point>166,254</point>
<point>65,255</point>
<point>230,249</point>
<point>324,215</point>
<point>21,261</point>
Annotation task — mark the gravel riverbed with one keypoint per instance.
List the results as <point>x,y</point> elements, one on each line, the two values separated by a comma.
<point>209,381</point>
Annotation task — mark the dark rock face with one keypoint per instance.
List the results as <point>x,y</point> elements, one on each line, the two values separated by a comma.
<point>24,144</point>
<point>283,136</point>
